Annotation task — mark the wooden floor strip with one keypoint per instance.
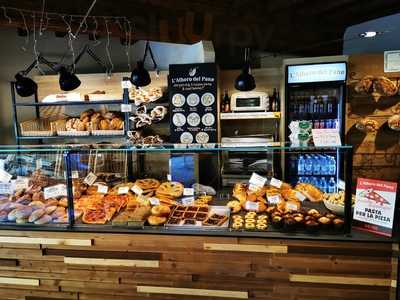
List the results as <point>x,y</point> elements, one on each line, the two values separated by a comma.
<point>245,248</point>
<point>192,292</point>
<point>112,262</point>
<point>19,281</point>
<point>44,241</point>
<point>340,280</point>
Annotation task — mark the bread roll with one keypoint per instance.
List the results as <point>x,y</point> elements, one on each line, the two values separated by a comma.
<point>43,220</point>
<point>21,221</point>
<point>160,211</point>
<point>104,125</point>
<point>36,204</point>
<point>50,209</point>
<point>11,215</point>
<point>63,202</point>
<point>23,212</point>
<point>37,214</point>
<point>156,221</point>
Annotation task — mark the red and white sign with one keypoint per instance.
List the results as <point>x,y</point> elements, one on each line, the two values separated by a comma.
<point>375,205</point>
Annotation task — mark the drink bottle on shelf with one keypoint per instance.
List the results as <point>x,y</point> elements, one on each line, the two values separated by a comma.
<point>300,165</point>
<point>316,165</point>
<point>332,185</point>
<point>323,185</point>
<point>308,167</point>
<point>332,166</point>
<point>324,165</point>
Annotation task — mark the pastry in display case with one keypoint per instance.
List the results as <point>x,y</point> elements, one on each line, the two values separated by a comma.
<point>111,188</point>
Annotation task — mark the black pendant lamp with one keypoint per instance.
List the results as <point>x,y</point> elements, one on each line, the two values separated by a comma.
<point>24,86</point>
<point>245,81</point>
<point>140,76</point>
<point>68,81</point>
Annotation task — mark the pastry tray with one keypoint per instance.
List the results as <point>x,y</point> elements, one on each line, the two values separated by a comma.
<point>219,210</point>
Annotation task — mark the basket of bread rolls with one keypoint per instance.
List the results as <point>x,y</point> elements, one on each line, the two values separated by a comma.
<point>71,127</point>
<point>107,123</point>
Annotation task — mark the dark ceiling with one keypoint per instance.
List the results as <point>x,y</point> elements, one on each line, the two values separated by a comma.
<point>299,27</point>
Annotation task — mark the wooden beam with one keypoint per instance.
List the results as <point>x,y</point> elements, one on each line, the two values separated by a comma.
<point>112,262</point>
<point>245,248</point>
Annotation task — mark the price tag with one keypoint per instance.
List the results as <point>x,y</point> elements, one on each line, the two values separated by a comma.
<point>188,191</point>
<point>126,84</point>
<point>275,182</point>
<point>137,190</point>
<point>75,174</point>
<point>341,185</point>
<point>257,180</point>
<point>291,206</point>
<point>5,176</point>
<point>274,199</point>
<point>253,187</point>
<point>55,191</point>
<point>326,137</point>
<point>188,201</point>
<point>300,196</point>
<point>250,205</point>
<point>6,188</point>
<point>169,177</point>
<point>90,178</point>
<point>38,164</point>
<point>154,201</point>
<point>123,190</point>
<point>126,107</point>
<point>102,189</point>
<point>21,183</point>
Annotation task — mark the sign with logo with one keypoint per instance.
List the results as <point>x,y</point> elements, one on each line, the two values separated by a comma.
<point>375,205</point>
<point>193,98</point>
<point>317,72</point>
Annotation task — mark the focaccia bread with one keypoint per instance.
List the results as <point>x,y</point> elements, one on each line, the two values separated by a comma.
<point>311,192</point>
<point>170,188</point>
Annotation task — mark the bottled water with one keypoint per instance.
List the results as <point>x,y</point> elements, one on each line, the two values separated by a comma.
<point>308,166</point>
<point>331,185</point>
<point>300,165</point>
<point>323,185</point>
<point>332,165</point>
<point>324,165</point>
<point>316,165</point>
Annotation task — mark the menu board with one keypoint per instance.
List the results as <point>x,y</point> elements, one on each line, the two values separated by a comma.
<point>193,103</point>
<point>374,206</point>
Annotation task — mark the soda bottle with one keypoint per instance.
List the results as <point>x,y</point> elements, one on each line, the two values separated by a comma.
<point>316,165</point>
<point>323,185</point>
<point>331,185</point>
<point>300,165</point>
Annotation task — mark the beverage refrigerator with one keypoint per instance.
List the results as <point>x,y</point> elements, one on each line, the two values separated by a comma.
<point>316,93</point>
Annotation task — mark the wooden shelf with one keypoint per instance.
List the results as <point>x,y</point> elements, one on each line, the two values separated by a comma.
<point>250,115</point>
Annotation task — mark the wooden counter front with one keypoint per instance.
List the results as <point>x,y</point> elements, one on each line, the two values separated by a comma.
<point>62,265</point>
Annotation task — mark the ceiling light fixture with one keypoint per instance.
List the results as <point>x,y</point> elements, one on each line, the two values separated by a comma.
<point>245,81</point>
<point>140,76</point>
<point>370,34</point>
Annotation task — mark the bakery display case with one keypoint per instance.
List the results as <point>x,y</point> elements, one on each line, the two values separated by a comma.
<point>166,188</point>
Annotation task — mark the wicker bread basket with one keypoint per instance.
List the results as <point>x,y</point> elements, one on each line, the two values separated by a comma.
<point>37,127</point>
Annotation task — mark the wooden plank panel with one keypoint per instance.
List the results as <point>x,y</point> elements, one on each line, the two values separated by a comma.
<point>44,241</point>
<point>194,292</point>
<point>103,254</point>
<point>19,281</point>
<point>112,262</point>
<point>245,248</point>
<point>340,280</point>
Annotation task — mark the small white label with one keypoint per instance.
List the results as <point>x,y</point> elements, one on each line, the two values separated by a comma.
<point>154,201</point>
<point>257,180</point>
<point>126,84</point>
<point>274,199</point>
<point>341,185</point>
<point>90,178</point>
<point>6,188</point>
<point>5,176</point>
<point>188,201</point>
<point>291,206</point>
<point>126,107</point>
<point>21,183</point>
<point>300,196</point>
<point>137,190</point>
<point>169,177</point>
<point>275,182</point>
<point>38,164</point>
<point>253,187</point>
<point>188,191</point>
<point>250,205</point>
<point>55,191</point>
<point>74,174</point>
<point>123,190</point>
<point>102,189</point>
